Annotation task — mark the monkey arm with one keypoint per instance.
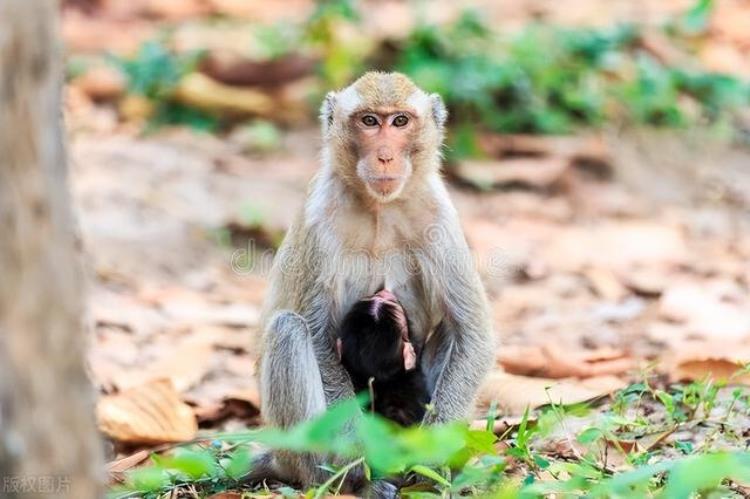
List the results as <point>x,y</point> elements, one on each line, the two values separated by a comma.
<point>464,344</point>
<point>295,286</point>
<point>337,384</point>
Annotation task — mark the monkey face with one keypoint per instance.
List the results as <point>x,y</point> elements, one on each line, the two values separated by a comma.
<point>384,137</point>
<point>382,131</point>
<point>373,338</point>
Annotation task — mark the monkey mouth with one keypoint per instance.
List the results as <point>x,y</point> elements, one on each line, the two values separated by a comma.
<point>385,185</point>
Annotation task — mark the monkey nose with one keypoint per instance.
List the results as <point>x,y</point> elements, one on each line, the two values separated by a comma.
<point>385,154</point>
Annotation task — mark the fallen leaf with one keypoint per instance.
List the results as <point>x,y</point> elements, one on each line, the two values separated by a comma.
<point>147,414</point>
<point>127,462</point>
<point>619,246</point>
<point>231,69</point>
<point>605,283</point>
<point>227,495</point>
<point>539,173</point>
<point>185,365</point>
<point>720,361</point>
<point>658,44</point>
<point>648,282</point>
<point>97,34</point>
<point>725,58</point>
<point>266,12</point>
<point>100,83</point>
<point>706,311</point>
<point>175,10</point>
<point>552,362</point>
<point>514,394</point>
<point>136,108</point>
<point>241,404</point>
<point>205,92</point>
<point>501,424</point>
<point>591,147</point>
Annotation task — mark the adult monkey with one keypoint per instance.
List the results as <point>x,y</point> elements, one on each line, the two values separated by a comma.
<point>377,215</point>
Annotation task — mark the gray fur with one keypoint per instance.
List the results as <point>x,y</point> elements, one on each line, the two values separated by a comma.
<point>314,282</point>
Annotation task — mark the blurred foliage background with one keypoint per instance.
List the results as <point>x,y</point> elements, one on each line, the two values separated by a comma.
<point>216,65</point>
<point>557,98</point>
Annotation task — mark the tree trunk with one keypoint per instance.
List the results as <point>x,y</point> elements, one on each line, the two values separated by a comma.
<point>48,442</point>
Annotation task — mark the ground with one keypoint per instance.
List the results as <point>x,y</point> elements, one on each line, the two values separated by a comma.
<point>631,265</point>
<point>610,257</point>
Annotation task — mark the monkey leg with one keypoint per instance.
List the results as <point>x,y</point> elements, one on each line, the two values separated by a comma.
<point>291,391</point>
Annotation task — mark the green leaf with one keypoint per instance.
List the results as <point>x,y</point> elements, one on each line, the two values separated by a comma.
<point>239,463</point>
<point>540,461</point>
<point>706,472</point>
<point>431,474</point>
<point>151,479</point>
<point>696,18</point>
<point>590,435</point>
<point>194,464</point>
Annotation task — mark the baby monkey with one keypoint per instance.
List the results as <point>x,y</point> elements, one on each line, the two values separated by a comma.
<point>374,344</point>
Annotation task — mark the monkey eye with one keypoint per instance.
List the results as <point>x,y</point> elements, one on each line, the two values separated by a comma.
<point>369,120</point>
<point>400,120</point>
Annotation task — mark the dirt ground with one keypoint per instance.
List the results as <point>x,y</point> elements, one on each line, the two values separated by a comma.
<point>606,256</point>
<point>637,264</point>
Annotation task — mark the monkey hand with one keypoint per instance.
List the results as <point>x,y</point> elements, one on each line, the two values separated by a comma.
<point>356,483</point>
<point>410,357</point>
<point>355,480</point>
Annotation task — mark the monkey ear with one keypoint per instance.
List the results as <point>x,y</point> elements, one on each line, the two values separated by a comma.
<point>326,111</point>
<point>439,113</point>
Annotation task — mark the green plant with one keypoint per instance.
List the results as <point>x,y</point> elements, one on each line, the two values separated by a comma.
<point>154,71</point>
<point>342,58</point>
<point>547,79</point>
<point>455,460</point>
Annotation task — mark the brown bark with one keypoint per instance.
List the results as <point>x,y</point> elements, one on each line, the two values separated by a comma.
<point>48,443</point>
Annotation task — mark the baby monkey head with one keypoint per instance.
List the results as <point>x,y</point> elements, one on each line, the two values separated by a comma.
<point>373,339</point>
<point>382,131</point>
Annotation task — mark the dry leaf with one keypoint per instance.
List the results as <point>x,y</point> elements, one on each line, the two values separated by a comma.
<point>501,424</point>
<point>725,58</point>
<point>96,34</point>
<point>619,246</point>
<point>147,414</point>
<point>127,462</point>
<point>590,147</point>
<point>199,90</point>
<point>717,360</point>
<point>539,173</point>
<point>175,10</point>
<point>646,281</point>
<point>229,68</point>
<point>552,362</point>
<point>100,83</point>
<point>705,310</point>
<point>605,283</point>
<point>657,43</point>
<point>116,469</point>
<point>514,394</point>
<point>184,365</point>
<point>241,404</point>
